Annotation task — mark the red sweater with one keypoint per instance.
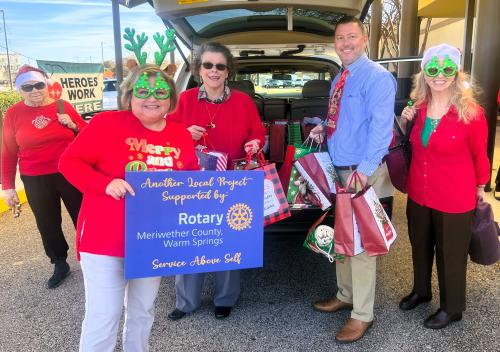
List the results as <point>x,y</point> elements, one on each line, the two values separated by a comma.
<point>444,175</point>
<point>34,137</point>
<point>112,142</point>
<point>237,121</point>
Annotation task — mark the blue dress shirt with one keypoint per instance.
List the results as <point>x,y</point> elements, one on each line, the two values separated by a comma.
<point>366,117</point>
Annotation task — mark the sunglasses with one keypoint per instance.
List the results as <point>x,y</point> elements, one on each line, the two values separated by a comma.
<point>158,93</point>
<point>29,87</point>
<point>449,68</point>
<point>209,65</point>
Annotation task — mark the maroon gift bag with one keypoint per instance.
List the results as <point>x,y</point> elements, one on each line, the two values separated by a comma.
<point>347,238</point>
<point>276,142</point>
<point>484,246</point>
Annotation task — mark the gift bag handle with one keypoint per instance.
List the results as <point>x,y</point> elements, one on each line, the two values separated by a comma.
<point>259,157</point>
<point>309,143</point>
<point>206,141</point>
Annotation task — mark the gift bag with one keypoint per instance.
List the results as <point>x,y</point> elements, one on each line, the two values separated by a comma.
<point>318,171</point>
<point>484,246</point>
<point>320,239</point>
<point>286,167</point>
<point>376,230</point>
<point>299,193</point>
<point>208,158</point>
<point>276,140</point>
<point>211,160</point>
<point>347,236</point>
<point>294,136</point>
<point>275,203</point>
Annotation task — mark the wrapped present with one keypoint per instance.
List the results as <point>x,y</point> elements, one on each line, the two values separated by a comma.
<point>318,171</point>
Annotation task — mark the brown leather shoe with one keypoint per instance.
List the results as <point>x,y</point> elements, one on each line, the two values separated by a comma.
<point>353,330</point>
<point>331,305</point>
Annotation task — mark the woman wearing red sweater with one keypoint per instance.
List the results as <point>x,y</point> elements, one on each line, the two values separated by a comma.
<point>137,138</point>
<point>231,123</point>
<point>448,171</point>
<point>35,133</point>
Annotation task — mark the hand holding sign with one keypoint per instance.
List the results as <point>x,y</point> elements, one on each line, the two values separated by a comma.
<point>118,188</point>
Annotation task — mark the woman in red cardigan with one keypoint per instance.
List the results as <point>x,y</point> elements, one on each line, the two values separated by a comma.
<point>230,121</point>
<point>36,131</point>
<point>448,172</point>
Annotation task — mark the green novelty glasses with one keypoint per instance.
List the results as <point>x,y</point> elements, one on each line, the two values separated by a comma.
<point>449,68</point>
<point>143,89</point>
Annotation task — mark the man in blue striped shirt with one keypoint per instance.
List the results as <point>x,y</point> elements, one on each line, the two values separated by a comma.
<point>362,132</point>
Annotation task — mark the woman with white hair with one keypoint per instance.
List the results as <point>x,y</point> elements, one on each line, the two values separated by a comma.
<point>36,131</point>
<point>448,172</point>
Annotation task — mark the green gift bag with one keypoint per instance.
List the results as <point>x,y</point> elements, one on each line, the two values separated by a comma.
<point>294,135</point>
<point>320,239</point>
<point>298,193</point>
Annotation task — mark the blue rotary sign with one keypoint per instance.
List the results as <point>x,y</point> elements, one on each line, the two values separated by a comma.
<point>190,221</point>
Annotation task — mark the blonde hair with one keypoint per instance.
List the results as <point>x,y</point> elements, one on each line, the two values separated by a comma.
<point>461,91</point>
<point>127,87</point>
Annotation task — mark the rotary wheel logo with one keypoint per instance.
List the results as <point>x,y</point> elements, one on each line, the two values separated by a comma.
<point>239,216</point>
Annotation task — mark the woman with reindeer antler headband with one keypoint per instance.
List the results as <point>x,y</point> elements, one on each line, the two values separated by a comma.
<point>36,131</point>
<point>229,119</point>
<point>96,163</point>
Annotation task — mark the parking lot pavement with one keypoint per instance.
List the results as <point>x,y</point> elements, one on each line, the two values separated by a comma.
<point>274,312</point>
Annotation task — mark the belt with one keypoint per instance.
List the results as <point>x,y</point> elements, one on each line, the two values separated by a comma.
<point>345,168</point>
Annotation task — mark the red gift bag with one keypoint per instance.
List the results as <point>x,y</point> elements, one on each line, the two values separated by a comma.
<point>347,236</point>
<point>276,140</point>
<point>286,167</point>
<point>318,171</point>
<point>375,227</point>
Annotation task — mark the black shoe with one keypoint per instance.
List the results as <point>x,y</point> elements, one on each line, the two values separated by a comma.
<point>222,312</point>
<point>412,300</point>
<point>176,314</point>
<point>441,319</point>
<point>61,271</point>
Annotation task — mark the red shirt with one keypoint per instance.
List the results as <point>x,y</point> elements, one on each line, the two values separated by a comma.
<point>237,121</point>
<point>112,142</point>
<point>34,137</point>
<point>444,175</point>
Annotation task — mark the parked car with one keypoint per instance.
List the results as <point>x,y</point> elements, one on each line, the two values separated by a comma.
<point>109,95</point>
<point>273,83</point>
<point>262,36</point>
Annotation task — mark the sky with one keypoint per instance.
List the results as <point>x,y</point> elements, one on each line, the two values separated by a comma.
<point>71,30</point>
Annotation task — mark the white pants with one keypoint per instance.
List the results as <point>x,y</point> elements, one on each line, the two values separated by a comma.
<point>106,293</point>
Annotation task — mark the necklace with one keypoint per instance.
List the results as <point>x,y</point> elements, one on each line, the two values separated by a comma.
<point>434,123</point>
<point>211,124</point>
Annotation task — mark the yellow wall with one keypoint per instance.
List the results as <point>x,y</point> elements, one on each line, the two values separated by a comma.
<point>444,30</point>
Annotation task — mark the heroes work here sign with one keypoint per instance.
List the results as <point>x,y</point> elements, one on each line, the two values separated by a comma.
<point>191,221</point>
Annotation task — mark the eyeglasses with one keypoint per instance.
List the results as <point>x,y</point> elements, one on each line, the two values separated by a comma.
<point>29,87</point>
<point>209,65</point>
<point>449,68</point>
<point>158,93</point>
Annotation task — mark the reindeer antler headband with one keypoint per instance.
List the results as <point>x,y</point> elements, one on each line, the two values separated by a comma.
<point>164,42</point>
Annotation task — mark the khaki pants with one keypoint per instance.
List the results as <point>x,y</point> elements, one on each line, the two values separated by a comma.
<point>356,277</point>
